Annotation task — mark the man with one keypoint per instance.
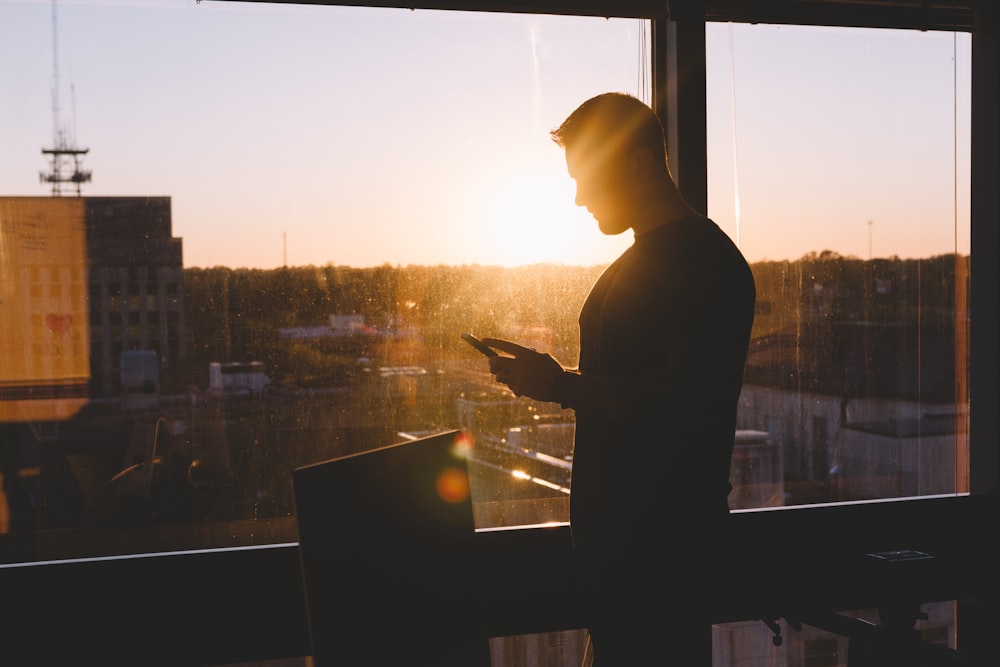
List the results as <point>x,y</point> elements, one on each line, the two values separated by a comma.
<point>663,342</point>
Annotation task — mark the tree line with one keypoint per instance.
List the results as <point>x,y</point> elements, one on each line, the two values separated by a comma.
<point>236,314</point>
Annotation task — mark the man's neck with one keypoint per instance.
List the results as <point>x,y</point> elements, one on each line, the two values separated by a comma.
<point>668,206</point>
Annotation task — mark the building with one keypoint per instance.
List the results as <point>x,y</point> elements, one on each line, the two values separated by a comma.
<point>858,410</point>
<point>111,262</point>
<point>237,377</point>
<point>135,284</point>
<point>44,352</point>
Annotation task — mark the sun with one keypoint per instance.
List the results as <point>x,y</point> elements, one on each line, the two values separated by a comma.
<point>527,215</point>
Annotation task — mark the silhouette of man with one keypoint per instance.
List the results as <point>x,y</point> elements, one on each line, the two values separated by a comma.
<point>663,342</point>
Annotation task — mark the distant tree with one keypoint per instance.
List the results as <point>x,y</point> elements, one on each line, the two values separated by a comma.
<point>235,314</point>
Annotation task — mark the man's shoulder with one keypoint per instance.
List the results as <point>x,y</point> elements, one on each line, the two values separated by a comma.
<point>692,239</point>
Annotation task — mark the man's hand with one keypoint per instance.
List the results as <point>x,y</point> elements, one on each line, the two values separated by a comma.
<point>525,371</point>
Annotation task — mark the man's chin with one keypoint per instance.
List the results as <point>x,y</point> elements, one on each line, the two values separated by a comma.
<point>611,227</point>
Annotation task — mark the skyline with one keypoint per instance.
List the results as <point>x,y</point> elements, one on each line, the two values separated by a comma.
<point>439,149</point>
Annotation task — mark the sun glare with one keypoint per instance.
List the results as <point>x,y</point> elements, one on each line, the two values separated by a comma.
<point>528,216</point>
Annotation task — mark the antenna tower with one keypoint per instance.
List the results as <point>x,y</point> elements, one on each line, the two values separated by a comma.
<point>64,157</point>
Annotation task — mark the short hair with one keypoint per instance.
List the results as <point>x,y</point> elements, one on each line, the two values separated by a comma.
<point>609,124</point>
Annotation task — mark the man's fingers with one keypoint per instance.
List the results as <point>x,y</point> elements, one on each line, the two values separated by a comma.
<point>507,346</point>
<point>499,364</point>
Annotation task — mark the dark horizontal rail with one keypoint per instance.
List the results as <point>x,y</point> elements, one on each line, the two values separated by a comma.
<point>224,606</point>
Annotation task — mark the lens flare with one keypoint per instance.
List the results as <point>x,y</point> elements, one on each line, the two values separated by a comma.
<point>453,485</point>
<point>464,443</point>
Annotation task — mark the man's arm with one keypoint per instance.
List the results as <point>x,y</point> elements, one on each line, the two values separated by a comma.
<point>526,371</point>
<point>539,376</point>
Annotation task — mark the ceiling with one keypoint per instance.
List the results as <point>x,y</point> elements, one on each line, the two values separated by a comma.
<point>913,14</point>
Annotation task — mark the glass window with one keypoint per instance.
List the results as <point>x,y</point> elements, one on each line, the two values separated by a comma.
<point>345,190</point>
<point>288,215</point>
<point>839,161</point>
<point>320,199</point>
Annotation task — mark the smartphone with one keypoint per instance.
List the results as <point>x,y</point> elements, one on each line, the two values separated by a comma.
<point>478,344</point>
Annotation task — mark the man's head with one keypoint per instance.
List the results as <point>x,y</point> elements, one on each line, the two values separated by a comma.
<point>615,152</point>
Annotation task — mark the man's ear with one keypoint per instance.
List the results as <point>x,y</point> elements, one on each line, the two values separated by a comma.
<point>641,163</point>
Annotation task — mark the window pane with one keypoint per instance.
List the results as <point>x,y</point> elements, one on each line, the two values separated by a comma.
<point>839,161</point>
<point>289,214</point>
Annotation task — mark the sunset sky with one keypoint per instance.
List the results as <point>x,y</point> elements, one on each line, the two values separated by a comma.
<point>315,135</point>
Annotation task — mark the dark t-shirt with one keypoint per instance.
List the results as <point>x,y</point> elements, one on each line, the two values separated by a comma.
<point>669,324</point>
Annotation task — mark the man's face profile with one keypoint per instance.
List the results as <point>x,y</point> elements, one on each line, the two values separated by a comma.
<point>600,187</point>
